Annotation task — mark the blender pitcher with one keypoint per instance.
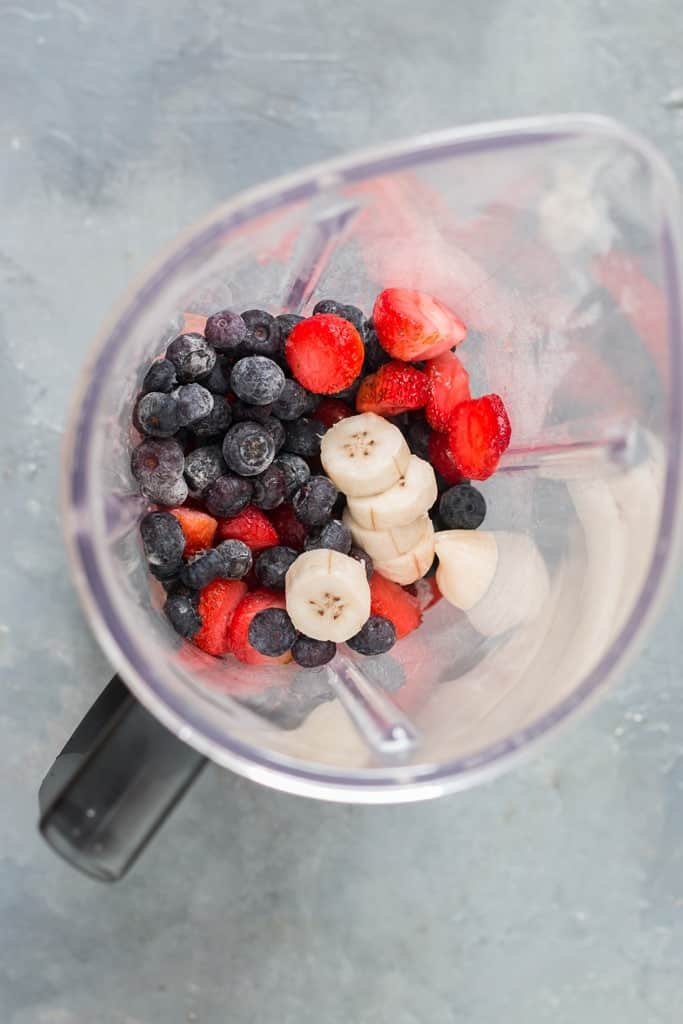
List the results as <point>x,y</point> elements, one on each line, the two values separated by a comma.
<point>557,241</point>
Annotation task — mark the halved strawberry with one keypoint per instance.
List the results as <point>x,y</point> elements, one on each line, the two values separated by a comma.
<point>331,411</point>
<point>325,353</point>
<point>291,530</point>
<point>394,603</point>
<point>252,526</point>
<point>238,632</point>
<point>394,389</point>
<point>412,325</point>
<point>478,434</point>
<point>448,384</point>
<point>199,529</point>
<point>441,458</point>
<point>217,603</point>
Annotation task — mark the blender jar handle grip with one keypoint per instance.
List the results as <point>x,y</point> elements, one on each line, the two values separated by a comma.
<point>113,784</point>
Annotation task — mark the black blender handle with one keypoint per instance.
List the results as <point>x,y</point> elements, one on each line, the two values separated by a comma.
<point>113,784</point>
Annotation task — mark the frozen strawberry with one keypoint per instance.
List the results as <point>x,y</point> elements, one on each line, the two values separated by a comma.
<point>478,434</point>
<point>448,384</point>
<point>441,458</point>
<point>252,526</point>
<point>291,530</point>
<point>199,529</point>
<point>238,632</point>
<point>325,353</point>
<point>394,603</point>
<point>217,603</point>
<point>395,388</point>
<point>331,411</point>
<point>412,325</point>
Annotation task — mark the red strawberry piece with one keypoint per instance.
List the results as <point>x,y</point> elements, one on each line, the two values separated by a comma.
<point>325,353</point>
<point>441,458</point>
<point>193,323</point>
<point>217,604</point>
<point>252,526</point>
<point>394,389</point>
<point>394,603</point>
<point>412,325</point>
<point>478,434</point>
<point>331,411</point>
<point>199,529</point>
<point>448,384</point>
<point>238,632</point>
<point>291,530</point>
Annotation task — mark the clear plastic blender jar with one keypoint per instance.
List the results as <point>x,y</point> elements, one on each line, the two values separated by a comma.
<point>557,241</point>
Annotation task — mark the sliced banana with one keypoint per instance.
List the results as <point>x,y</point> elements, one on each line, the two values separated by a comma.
<point>364,454</point>
<point>327,595</point>
<point>384,544</point>
<point>413,564</point>
<point>467,565</point>
<point>500,579</point>
<point>408,498</point>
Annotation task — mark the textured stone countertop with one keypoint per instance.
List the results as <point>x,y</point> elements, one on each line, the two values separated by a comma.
<point>554,894</point>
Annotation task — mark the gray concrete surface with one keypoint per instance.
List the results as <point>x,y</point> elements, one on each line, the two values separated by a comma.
<point>552,895</point>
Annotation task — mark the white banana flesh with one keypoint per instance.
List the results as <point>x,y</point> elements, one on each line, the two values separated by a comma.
<point>364,454</point>
<point>411,496</point>
<point>384,544</point>
<point>327,595</point>
<point>411,566</point>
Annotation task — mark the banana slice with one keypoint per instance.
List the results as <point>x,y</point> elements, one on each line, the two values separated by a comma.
<point>382,545</point>
<point>364,454</point>
<point>467,565</point>
<point>410,497</point>
<point>327,595</point>
<point>414,564</point>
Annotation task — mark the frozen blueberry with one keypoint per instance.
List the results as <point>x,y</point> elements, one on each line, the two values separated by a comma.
<point>343,309</point>
<point>295,469</point>
<point>270,489</point>
<point>313,501</point>
<point>271,632</point>
<point>163,541</point>
<point>225,330</point>
<point>192,357</point>
<point>243,411</point>
<point>248,448</point>
<point>375,356</point>
<point>287,322</point>
<point>377,636</point>
<point>203,466</point>
<point>294,401</point>
<point>201,569</point>
<point>234,559</point>
<point>218,381</point>
<point>263,334</point>
<point>348,395</point>
<point>417,436</point>
<point>217,421</point>
<point>312,653</point>
<point>194,402</point>
<point>332,535</point>
<point>272,564</point>
<point>183,615</point>
<point>362,556</point>
<point>156,415</point>
<point>228,495</point>
<point>462,507</point>
<point>159,377</point>
<point>157,465</point>
<point>276,431</point>
<point>257,380</point>
<point>304,436</point>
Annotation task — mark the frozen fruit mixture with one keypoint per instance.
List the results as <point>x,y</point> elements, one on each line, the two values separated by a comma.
<point>306,473</point>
